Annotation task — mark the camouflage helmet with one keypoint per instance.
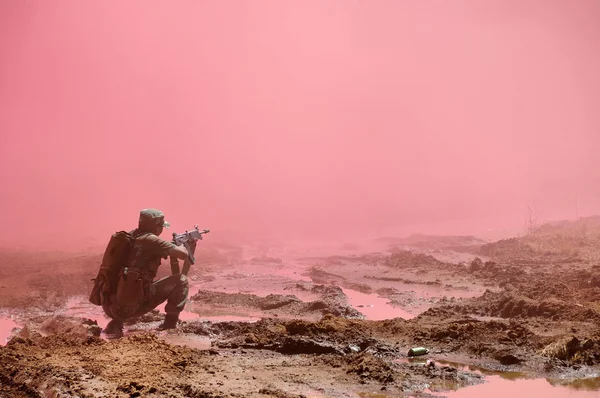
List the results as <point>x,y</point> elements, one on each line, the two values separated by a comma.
<point>150,218</point>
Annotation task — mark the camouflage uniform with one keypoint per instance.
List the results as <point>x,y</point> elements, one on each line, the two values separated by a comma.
<point>146,255</point>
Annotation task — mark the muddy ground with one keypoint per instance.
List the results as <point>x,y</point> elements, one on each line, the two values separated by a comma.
<point>304,324</point>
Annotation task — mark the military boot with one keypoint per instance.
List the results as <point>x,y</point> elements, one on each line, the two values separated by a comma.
<point>114,328</point>
<point>170,322</point>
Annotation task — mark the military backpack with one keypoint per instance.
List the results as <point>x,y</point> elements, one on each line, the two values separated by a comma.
<point>112,268</point>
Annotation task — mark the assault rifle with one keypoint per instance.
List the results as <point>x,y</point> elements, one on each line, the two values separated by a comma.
<point>188,239</point>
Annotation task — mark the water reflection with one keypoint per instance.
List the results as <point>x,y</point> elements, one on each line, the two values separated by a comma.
<point>504,384</point>
<point>374,307</point>
<point>498,387</point>
<point>484,371</point>
<point>589,384</point>
<point>6,327</point>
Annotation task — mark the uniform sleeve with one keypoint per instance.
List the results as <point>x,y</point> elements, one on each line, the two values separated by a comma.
<point>161,247</point>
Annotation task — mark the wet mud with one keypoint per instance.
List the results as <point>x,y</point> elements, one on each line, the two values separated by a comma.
<point>520,314</point>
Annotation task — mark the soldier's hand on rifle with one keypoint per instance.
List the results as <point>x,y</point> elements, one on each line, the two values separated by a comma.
<point>191,246</point>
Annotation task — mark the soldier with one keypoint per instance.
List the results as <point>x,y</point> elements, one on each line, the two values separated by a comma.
<point>145,257</point>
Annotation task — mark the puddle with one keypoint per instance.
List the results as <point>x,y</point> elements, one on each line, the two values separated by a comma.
<point>6,327</point>
<point>498,387</point>
<point>484,371</point>
<point>590,384</point>
<point>373,307</point>
<point>505,384</point>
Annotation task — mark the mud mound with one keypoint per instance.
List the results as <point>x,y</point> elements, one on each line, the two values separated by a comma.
<point>465,243</point>
<point>329,335</point>
<point>279,393</point>
<point>508,343</point>
<point>500,273</point>
<point>534,249</point>
<point>579,237</point>
<point>256,332</point>
<point>515,305</point>
<point>272,301</point>
<point>325,278</point>
<point>467,330</point>
<point>367,366</point>
<point>333,301</point>
<point>574,351</point>
<point>507,248</point>
<point>58,325</point>
<point>47,366</point>
<point>328,326</point>
<point>408,259</point>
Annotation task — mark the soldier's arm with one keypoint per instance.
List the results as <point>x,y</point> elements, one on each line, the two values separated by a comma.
<point>165,248</point>
<point>179,252</point>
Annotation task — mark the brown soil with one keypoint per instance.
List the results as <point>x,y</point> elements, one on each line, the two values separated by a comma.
<point>522,306</point>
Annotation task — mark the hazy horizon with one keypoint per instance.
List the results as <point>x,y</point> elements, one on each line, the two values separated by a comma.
<point>295,119</point>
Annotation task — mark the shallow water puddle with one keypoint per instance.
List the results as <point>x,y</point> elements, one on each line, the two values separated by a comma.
<point>505,384</point>
<point>373,307</point>
<point>6,329</point>
<point>498,387</point>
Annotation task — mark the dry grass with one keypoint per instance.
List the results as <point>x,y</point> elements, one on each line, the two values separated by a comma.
<point>562,349</point>
<point>579,238</point>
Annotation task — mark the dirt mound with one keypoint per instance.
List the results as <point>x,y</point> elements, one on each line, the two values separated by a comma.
<point>270,302</point>
<point>367,366</point>
<point>48,325</point>
<point>325,278</point>
<point>336,327</point>
<point>458,243</point>
<point>512,247</point>
<point>330,335</point>
<point>60,365</point>
<point>557,242</point>
<point>573,351</point>
<point>277,393</point>
<point>333,301</point>
<point>408,259</point>
<point>508,343</point>
<point>512,305</point>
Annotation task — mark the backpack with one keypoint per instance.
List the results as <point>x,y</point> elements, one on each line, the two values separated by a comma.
<point>113,261</point>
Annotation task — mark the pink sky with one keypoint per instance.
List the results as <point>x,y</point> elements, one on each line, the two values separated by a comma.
<point>299,117</point>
